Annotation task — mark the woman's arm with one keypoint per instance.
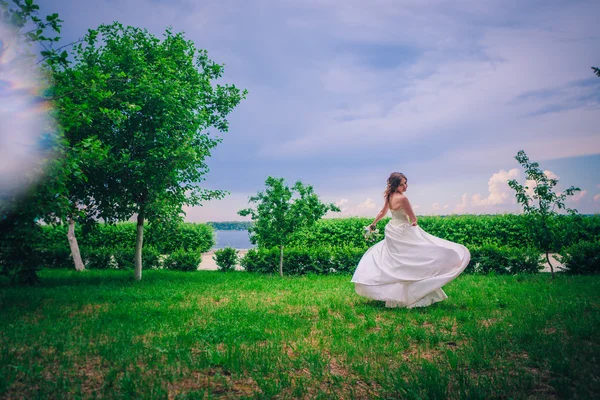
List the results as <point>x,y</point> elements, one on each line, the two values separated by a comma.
<point>408,209</point>
<point>381,214</point>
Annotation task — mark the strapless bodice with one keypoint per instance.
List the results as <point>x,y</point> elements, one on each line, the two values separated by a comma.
<point>399,216</point>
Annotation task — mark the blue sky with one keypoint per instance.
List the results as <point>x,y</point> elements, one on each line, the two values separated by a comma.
<point>341,93</point>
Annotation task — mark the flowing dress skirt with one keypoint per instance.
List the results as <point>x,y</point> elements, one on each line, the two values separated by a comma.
<point>409,267</point>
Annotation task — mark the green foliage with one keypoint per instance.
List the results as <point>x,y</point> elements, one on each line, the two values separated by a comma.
<point>504,260</point>
<point>124,257</point>
<point>300,261</point>
<point>540,204</point>
<point>151,257</point>
<point>226,258</point>
<point>24,15</point>
<point>582,258</point>
<point>115,258</point>
<point>281,211</point>
<point>98,257</point>
<point>149,103</point>
<point>335,232</point>
<point>186,235</point>
<point>470,230</point>
<point>55,257</point>
<point>18,235</point>
<point>231,225</point>
<point>182,260</point>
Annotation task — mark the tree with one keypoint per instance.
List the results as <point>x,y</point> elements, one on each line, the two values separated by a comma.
<point>149,102</point>
<point>20,211</point>
<point>540,203</point>
<point>279,213</point>
<point>23,15</point>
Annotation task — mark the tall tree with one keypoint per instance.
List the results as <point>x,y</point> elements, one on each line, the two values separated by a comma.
<point>281,211</point>
<point>150,102</point>
<point>540,203</point>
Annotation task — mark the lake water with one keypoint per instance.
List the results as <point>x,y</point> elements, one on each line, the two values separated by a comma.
<point>235,239</point>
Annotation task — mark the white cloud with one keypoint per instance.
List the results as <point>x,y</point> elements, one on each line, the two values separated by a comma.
<point>366,205</point>
<point>597,198</point>
<point>576,198</point>
<point>352,208</point>
<point>435,207</point>
<point>551,175</point>
<point>462,206</point>
<point>499,191</point>
<point>446,206</point>
<point>340,203</point>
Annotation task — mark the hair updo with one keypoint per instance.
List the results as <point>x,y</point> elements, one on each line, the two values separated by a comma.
<point>393,183</point>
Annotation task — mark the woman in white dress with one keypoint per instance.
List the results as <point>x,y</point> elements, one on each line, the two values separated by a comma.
<point>409,267</point>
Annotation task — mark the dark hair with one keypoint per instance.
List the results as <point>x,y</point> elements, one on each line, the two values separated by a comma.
<point>393,182</point>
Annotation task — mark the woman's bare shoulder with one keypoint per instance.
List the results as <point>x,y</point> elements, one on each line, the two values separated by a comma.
<point>397,201</point>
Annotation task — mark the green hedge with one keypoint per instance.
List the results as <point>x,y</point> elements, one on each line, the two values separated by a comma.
<point>300,261</point>
<point>188,236</point>
<point>504,260</point>
<point>328,260</point>
<point>582,258</point>
<point>470,230</point>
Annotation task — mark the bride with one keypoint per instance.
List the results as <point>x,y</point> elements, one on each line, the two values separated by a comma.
<point>409,267</point>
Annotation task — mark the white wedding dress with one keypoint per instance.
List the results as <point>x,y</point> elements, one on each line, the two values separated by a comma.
<point>409,267</point>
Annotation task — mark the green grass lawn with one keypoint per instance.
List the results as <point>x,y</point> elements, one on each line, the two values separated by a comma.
<point>223,335</point>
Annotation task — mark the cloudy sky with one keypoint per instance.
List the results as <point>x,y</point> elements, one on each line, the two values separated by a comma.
<point>341,93</point>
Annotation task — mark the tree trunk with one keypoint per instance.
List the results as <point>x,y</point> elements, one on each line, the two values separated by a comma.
<point>281,261</point>
<point>74,246</point>
<point>139,241</point>
<point>549,263</point>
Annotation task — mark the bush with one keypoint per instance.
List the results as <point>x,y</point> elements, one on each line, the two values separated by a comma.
<point>582,258</point>
<point>150,257</point>
<point>125,258</point>
<point>189,236</point>
<point>226,258</point>
<point>99,258</point>
<point>182,260</point>
<point>504,260</point>
<point>56,257</point>
<point>470,230</point>
<point>299,261</point>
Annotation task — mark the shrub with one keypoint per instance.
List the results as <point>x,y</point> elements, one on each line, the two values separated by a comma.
<point>582,258</point>
<point>98,258</point>
<point>504,260</point>
<point>150,257</point>
<point>183,260</point>
<point>226,258</point>
<point>190,236</point>
<point>299,261</point>
<point>470,230</point>
<point>125,258</point>
<point>56,257</point>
